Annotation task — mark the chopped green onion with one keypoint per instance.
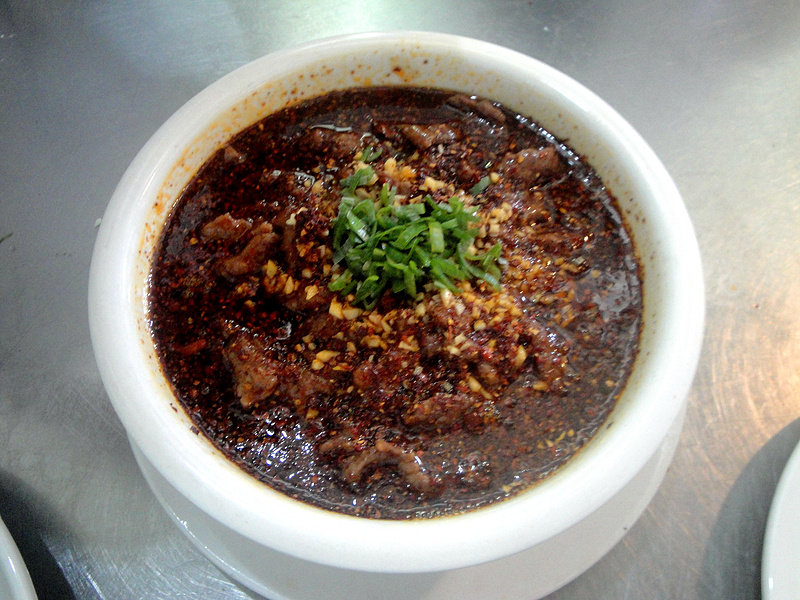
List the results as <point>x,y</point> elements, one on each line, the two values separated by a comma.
<point>369,154</point>
<point>358,179</point>
<point>357,226</point>
<point>478,187</point>
<point>408,234</point>
<point>412,212</point>
<point>386,197</point>
<point>383,245</point>
<point>341,281</point>
<point>436,236</point>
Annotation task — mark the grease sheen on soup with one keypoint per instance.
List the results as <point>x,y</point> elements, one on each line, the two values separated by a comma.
<point>426,404</point>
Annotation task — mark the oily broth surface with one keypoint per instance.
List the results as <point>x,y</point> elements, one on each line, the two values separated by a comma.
<point>423,406</point>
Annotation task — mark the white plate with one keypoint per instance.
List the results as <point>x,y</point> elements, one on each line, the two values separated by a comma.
<point>780,568</point>
<point>15,583</point>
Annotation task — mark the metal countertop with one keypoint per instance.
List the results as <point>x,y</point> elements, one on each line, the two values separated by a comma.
<point>714,87</point>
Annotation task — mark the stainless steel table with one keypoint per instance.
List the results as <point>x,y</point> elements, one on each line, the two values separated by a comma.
<point>713,86</point>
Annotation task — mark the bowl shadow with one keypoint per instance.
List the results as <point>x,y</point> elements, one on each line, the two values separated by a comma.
<point>29,526</point>
<point>741,523</point>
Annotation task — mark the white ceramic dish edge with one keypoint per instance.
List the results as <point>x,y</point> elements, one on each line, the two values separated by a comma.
<point>780,569</point>
<point>15,581</point>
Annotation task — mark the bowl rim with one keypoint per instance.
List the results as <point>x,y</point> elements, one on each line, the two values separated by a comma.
<point>189,463</point>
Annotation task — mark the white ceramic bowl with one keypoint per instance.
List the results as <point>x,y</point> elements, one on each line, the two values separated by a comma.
<point>645,422</point>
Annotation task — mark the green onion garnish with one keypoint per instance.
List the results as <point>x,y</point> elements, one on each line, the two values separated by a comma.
<point>480,186</point>
<point>358,179</point>
<point>384,245</point>
<point>369,154</point>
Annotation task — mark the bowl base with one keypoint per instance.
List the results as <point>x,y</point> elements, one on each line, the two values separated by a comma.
<point>530,574</point>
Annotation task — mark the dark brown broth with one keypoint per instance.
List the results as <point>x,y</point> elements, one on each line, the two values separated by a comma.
<point>393,432</point>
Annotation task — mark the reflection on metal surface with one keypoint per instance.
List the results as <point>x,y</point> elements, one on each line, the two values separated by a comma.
<point>714,87</point>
